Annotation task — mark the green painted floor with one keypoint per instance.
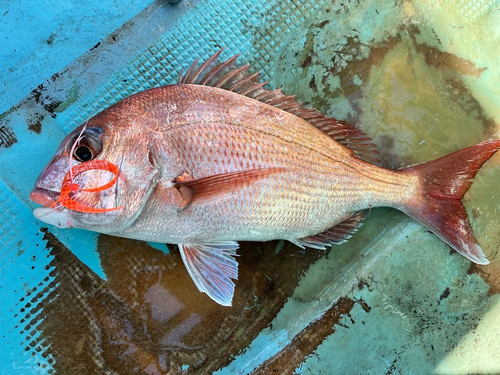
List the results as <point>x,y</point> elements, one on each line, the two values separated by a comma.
<point>419,77</point>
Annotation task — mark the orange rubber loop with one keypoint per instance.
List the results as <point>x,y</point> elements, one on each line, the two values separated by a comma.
<point>97,164</point>
<point>69,187</point>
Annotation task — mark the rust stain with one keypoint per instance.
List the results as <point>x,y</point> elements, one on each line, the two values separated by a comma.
<point>445,60</point>
<point>303,345</point>
<point>350,65</point>
<point>361,67</point>
<point>7,137</point>
<point>471,104</point>
<point>42,96</point>
<point>35,123</point>
<point>346,63</point>
<point>442,60</point>
<point>148,316</point>
<point>490,274</point>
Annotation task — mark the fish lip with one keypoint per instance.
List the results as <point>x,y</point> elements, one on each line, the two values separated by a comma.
<point>44,197</point>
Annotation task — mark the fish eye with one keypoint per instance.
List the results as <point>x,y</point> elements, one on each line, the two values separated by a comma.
<point>88,147</point>
<point>83,153</point>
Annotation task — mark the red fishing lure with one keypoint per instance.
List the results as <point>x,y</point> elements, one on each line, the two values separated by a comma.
<point>69,189</point>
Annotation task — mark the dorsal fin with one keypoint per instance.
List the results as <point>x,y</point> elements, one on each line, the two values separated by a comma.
<point>333,236</point>
<point>228,76</point>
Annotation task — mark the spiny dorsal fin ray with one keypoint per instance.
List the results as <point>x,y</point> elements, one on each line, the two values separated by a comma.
<point>333,236</point>
<point>227,76</point>
<point>206,67</point>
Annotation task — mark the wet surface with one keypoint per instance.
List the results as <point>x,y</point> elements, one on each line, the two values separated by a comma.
<point>394,297</point>
<point>308,340</point>
<point>149,316</point>
<point>403,90</point>
<point>408,96</point>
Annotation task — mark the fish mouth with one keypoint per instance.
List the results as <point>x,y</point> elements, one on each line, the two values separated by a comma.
<point>44,197</point>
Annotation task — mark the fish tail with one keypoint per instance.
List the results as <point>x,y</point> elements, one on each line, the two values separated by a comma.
<point>444,183</point>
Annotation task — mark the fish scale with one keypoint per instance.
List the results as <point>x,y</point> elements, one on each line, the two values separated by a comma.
<point>281,147</point>
<point>296,191</point>
<point>204,166</point>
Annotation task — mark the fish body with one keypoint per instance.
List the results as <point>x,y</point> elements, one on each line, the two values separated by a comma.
<point>217,159</point>
<point>301,182</point>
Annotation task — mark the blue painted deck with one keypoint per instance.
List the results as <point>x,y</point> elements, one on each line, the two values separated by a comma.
<point>64,61</point>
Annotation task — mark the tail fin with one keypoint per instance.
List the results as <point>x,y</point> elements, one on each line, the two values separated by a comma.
<point>445,181</point>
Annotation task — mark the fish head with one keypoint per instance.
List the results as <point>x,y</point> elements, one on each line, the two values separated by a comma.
<point>111,138</point>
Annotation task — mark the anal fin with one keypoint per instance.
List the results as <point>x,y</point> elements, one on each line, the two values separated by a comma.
<point>212,267</point>
<point>333,236</point>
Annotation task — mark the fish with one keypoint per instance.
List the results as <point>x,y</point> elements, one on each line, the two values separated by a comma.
<point>217,158</point>
<point>69,189</point>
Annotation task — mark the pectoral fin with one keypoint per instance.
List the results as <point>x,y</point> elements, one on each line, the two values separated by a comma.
<point>212,266</point>
<point>219,187</point>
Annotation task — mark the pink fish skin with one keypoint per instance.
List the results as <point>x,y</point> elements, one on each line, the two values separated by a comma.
<point>217,159</point>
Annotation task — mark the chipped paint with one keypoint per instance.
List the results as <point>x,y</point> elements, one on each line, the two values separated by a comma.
<point>7,137</point>
<point>394,297</point>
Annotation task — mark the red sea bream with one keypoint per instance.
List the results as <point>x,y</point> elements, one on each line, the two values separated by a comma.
<point>217,159</point>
